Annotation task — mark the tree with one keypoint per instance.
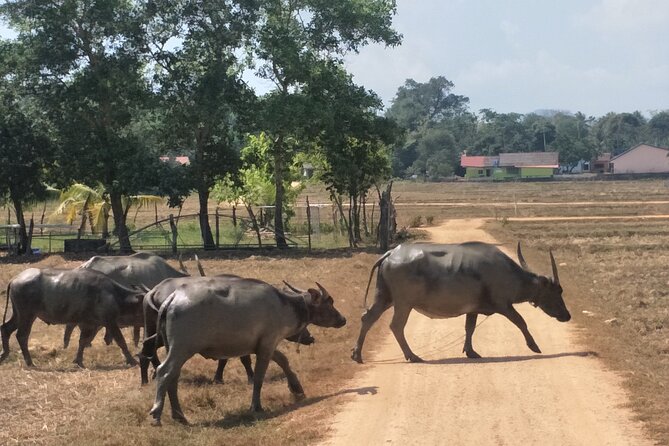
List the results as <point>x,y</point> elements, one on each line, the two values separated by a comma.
<point>658,129</point>
<point>617,132</point>
<point>294,38</point>
<point>353,140</point>
<point>91,82</point>
<point>207,104</point>
<point>418,105</point>
<point>420,108</point>
<point>25,153</point>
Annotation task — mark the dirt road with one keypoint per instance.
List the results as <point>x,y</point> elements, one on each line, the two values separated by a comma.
<point>510,397</point>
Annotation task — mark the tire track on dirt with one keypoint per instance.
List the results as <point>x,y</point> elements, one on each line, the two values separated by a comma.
<point>510,397</point>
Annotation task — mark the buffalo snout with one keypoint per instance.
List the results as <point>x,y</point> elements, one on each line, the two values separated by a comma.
<point>564,317</point>
<point>341,322</point>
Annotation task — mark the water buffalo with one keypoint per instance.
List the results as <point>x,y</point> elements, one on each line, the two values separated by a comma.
<point>142,268</point>
<point>221,318</point>
<point>442,281</point>
<point>152,302</point>
<point>82,297</point>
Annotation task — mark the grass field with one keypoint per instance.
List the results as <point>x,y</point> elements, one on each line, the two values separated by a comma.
<point>613,269</point>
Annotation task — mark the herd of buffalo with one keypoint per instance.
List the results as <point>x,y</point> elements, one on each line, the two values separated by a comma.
<point>228,316</point>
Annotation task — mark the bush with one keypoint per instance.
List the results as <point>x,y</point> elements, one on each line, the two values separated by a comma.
<point>416,222</point>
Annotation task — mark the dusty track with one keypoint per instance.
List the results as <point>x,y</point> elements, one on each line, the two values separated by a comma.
<point>510,397</point>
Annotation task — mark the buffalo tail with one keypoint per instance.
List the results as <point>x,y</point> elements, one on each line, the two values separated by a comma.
<point>160,329</point>
<point>4,316</point>
<point>371,273</point>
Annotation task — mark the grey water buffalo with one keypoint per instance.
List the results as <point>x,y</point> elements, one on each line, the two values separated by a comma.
<point>443,281</point>
<point>152,302</point>
<point>140,269</point>
<point>82,297</point>
<point>221,318</point>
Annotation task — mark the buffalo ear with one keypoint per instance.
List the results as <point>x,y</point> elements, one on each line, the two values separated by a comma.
<point>316,296</point>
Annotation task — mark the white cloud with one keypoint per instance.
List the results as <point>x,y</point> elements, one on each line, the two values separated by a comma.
<point>617,16</point>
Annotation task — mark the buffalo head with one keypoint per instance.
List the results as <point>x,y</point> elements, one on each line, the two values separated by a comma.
<point>548,292</point>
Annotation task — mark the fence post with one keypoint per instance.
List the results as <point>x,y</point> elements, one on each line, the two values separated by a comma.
<point>234,216</point>
<point>308,223</point>
<point>217,229</point>
<point>173,226</point>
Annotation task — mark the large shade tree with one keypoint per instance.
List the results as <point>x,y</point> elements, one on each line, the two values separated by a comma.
<point>294,38</point>
<point>194,49</point>
<point>91,80</point>
<point>25,146</point>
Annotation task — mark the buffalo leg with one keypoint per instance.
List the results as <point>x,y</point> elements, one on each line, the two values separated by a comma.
<point>87,333</point>
<point>397,327</point>
<point>246,362</point>
<point>515,317</point>
<point>470,325</point>
<point>148,355</point>
<point>369,317</point>
<point>167,377</point>
<point>6,331</point>
<point>172,388</point>
<point>22,335</point>
<point>108,337</point>
<point>120,341</point>
<point>218,376</point>
<point>262,361</point>
<point>69,328</point>
<point>293,382</point>
<point>135,335</point>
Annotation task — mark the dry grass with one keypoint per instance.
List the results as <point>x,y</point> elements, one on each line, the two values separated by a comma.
<point>59,404</point>
<point>616,271</point>
<point>613,269</point>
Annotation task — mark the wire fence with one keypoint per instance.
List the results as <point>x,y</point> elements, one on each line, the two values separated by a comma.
<point>319,226</point>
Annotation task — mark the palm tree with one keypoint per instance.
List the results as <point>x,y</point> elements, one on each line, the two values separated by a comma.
<point>80,200</point>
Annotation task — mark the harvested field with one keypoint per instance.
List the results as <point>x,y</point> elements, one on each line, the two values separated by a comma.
<point>619,290</point>
<point>614,265</point>
<point>56,403</point>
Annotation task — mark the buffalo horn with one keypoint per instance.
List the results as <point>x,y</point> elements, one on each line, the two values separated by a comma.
<point>182,267</point>
<point>293,289</point>
<point>521,259</point>
<point>556,279</point>
<point>199,266</point>
<point>324,292</point>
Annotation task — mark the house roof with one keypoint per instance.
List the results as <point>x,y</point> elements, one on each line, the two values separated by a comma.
<point>529,159</point>
<point>636,147</point>
<point>183,160</point>
<point>478,161</point>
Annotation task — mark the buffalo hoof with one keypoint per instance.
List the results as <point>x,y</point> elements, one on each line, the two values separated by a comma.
<point>534,347</point>
<point>218,381</point>
<point>132,362</point>
<point>414,358</point>
<point>79,364</point>
<point>471,354</point>
<point>356,356</point>
<point>299,396</point>
<point>257,408</point>
<point>156,422</point>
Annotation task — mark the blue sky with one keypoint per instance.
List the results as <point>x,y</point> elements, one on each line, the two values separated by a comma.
<point>592,56</point>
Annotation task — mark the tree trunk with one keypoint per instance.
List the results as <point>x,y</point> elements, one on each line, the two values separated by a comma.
<point>254,223</point>
<point>121,230</point>
<point>205,228</point>
<point>387,225</point>
<point>23,245</point>
<point>278,202</point>
<point>356,219</point>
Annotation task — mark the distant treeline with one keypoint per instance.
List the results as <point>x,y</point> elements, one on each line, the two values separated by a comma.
<point>439,126</point>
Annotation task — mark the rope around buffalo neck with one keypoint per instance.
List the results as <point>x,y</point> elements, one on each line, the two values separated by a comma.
<point>299,336</point>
